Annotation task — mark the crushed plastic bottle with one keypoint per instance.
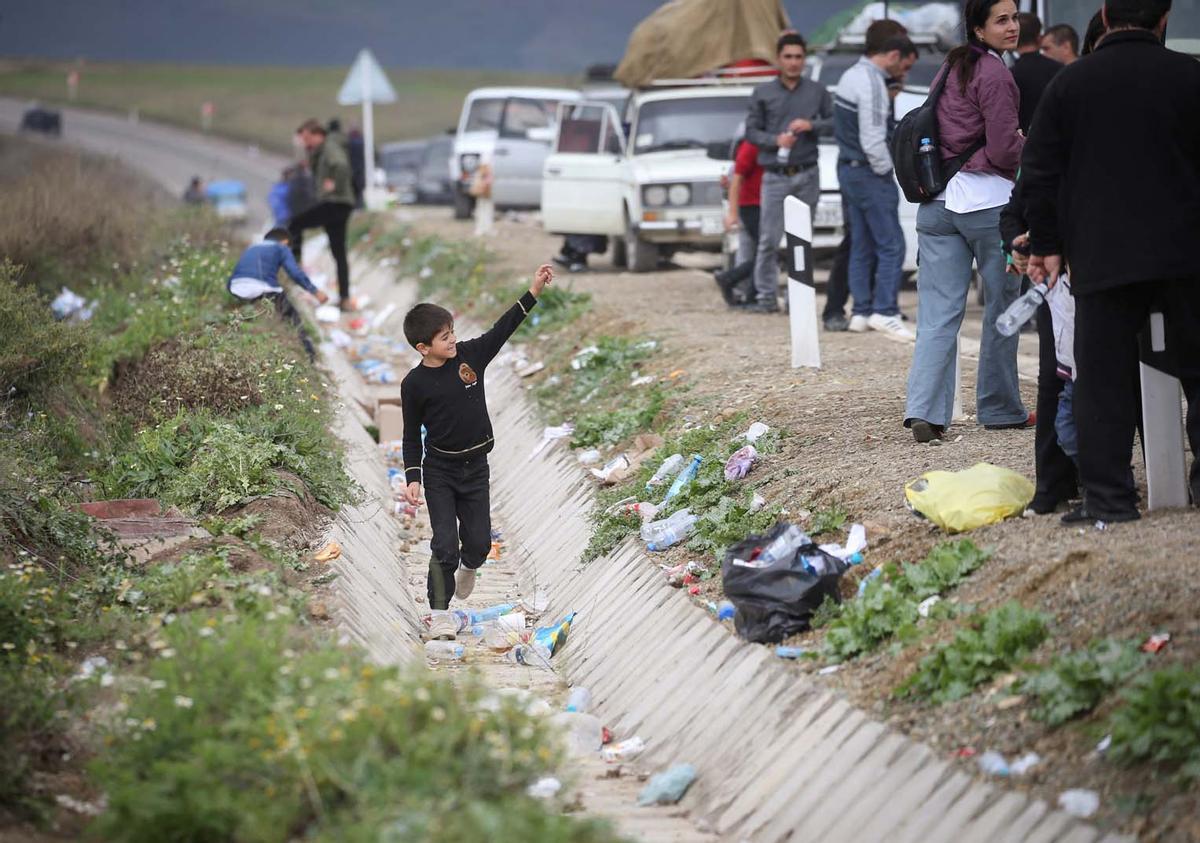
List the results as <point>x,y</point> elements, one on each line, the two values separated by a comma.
<point>671,531</point>
<point>623,750</point>
<point>684,477</point>
<point>529,655</point>
<point>738,465</point>
<point>444,651</point>
<point>489,614</point>
<point>993,764</point>
<point>584,732</point>
<point>784,546</point>
<point>671,466</point>
<point>579,700</point>
<point>1021,311</point>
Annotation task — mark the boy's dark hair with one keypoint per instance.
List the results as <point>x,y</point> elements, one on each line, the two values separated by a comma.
<point>1143,14</point>
<point>791,39</point>
<point>277,235</point>
<point>901,43</point>
<point>312,124</point>
<point>424,322</point>
<point>880,31</point>
<point>1031,30</point>
<point>1062,33</point>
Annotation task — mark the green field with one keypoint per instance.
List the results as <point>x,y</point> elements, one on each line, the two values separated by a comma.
<point>258,104</point>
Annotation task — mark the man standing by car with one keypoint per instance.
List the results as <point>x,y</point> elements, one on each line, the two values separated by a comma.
<point>786,116</point>
<point>1032,71</point>
<point>869,191</point>
<point>1122,209</point>
<point>334,202</point>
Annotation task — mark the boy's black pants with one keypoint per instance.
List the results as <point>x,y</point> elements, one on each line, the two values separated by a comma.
<point>1057,477</point>
<point>460,513</point>
<point>331,216</point>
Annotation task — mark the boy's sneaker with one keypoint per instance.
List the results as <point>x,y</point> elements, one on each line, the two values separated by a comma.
<point>443,626</point>
<point>464,583</point>
<point>858,324</point>
<point>890,326</point>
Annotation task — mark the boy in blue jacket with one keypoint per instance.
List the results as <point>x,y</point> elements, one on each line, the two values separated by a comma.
<point>256,275</point>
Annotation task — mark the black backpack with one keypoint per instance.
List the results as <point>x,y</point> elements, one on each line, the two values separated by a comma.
<point>922,184</point>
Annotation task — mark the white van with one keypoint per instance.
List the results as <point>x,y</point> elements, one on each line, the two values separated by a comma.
<point>513,127</point>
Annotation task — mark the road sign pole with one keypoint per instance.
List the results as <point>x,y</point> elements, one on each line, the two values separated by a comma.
<point>1162,425</point>
<point>365,85</point>
<point>368,112</point>
<point>802,291</point>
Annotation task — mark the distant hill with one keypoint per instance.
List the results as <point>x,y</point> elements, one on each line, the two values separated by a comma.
<point>525,35</point>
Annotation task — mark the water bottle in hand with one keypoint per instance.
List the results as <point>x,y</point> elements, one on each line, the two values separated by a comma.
<point>1021,311</point>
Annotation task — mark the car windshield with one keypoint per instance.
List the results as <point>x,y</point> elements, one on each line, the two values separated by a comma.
<point>484,115</point>
<point>399,159</point>
<point>692,122</point>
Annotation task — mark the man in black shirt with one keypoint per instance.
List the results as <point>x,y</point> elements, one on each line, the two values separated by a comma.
<point>448,435</point>
<point>1111,176</point>
<point>1032,71</point>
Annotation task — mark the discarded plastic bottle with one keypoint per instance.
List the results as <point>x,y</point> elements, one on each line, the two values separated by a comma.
<point>725,611</point>
<point>530,655</point>
<point>928,165</point>
<point>671,466</point>
<point>1021,311</point>
<point>623,750</point>
<point>684,477</point>
<point>444,650</point>
<point>738,465</point>
<point>659,535</point>
<point>489,614</point>
<point>784,546</point>
<point>580,700</point>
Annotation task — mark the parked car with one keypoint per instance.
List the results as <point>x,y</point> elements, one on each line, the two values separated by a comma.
<point>42,120</point>
<point>401,163</point>
<point>514,127</point>
<point>651,180</point>
<point>228,199</point>
<point>433,174</point>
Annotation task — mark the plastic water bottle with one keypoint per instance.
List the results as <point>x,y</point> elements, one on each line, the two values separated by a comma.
<point>784,546</point>
<point>928,165</point>
<point>670,467</point>
<point>783,155</point>
<point>489,614</point>
<point>444,650</point>
<point>580,700</point>
<point>684,477</point>
<point>1021,311</point>
<point>659,535</point>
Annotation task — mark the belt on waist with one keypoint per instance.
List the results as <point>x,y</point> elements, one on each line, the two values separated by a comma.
<point>790,170</point>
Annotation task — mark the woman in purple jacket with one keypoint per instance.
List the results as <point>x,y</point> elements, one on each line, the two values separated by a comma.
<point>962,226</point>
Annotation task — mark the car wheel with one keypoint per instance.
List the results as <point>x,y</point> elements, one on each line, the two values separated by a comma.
<point>640,256</point>
<point>464,205</point>
<point>619,259</point>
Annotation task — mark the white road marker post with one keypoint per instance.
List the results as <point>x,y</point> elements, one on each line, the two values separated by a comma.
<point>365,85</point>
<point>1162,421</point>
<point>802,291</point>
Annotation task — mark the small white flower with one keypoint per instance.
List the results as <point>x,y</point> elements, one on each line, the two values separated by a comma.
<point>205,631</point>
<point>157,684</point>
<point>183,702</point>
<point>278,406</point>
<point>167,653</point>
<point>106,680</point>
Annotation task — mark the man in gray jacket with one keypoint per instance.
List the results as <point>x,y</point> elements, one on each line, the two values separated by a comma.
<point>786,116</point>
<point>863,111</point>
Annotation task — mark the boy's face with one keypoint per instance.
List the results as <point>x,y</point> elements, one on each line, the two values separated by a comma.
<point>441,347</point>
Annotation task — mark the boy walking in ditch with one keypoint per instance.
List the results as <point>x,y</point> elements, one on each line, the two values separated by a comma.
<point>447,436</point>
<point>256,275</point>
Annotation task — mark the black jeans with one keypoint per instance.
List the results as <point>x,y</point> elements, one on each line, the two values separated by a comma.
<point>743,273</point>
<point>1107,386</point>
<point>1057,477</point>
<point>331,216</point>
<point>456,493</point>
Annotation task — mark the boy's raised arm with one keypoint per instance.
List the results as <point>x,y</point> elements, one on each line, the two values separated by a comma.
<point>488,345</point>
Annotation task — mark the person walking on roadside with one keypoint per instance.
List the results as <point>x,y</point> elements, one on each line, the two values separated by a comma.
<point>334,202</point>
<point>1061,43</point>
<point>745,190</point>
<point>1121,208</point>
<point>977,110</point>
<point>786,116</point>
<point>862,112</point>
<point>1032,71</point>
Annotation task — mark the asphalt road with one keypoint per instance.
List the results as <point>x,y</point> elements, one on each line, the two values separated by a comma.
<point>169,156</point>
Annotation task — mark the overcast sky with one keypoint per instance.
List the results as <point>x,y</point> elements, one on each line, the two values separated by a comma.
<point>555,35</point>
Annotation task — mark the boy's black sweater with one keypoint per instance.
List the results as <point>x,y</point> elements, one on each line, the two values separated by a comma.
<point>449,400</point>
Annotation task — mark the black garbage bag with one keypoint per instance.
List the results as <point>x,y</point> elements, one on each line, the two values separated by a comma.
<point>779,600</point>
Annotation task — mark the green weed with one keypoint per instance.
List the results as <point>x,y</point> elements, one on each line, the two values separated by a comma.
<point>828,520</point>
<point>879,613</point>
<point>1076,682</point>
<point>1159,721</point>
<point>943,568</point>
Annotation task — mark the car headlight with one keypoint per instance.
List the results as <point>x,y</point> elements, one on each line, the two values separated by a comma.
<point>655,194</point>
<point>469,163</point>
<point>679,194</point>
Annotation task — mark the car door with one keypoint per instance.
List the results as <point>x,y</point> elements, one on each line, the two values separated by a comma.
<point>524,138</point>
<point>582,185</point>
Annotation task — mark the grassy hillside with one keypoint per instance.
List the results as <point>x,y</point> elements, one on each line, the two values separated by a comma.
<point>258,104</point>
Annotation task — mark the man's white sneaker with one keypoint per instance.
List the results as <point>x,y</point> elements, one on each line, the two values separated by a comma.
<point>859,324</point>
<point>443,626</point>
<point>890,326</point>
<point>464,583</point>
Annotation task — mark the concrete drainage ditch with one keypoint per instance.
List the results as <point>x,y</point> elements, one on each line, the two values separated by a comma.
<point>779,757</point>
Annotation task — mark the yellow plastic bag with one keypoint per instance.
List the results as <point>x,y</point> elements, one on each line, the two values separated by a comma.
<point>962,500</point>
